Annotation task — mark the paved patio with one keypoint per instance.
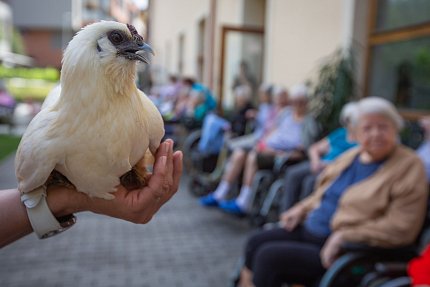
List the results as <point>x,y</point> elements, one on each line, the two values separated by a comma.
<point>184,245</point>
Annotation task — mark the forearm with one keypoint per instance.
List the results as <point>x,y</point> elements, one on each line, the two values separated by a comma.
<point>13,217</point>
<point>318,149</point>
<point>314,156</point>
<point>14,221</point>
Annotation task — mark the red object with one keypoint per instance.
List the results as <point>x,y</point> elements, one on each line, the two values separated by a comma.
<point>419,268</point>
<point>261,146</point>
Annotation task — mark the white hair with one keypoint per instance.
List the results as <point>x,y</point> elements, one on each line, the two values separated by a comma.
<point>348,114</point>
<point>277,90</point>
<point>380,106</point>
<point>243,91</point>
<point>299,92</point>
<point>267,89</point>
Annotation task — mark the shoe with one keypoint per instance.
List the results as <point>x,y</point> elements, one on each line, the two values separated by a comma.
<point>208,200</point>
<point>230,206</point>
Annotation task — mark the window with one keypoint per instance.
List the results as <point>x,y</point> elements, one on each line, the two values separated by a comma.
<point>393,14</point>
<point>399,53</point>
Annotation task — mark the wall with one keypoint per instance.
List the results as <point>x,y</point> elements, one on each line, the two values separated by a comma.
<point>299,34</point>
<point>169,19</point>
<point>48,51</point>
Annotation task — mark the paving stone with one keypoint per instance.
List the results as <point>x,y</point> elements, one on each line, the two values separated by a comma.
<point>185,245</point>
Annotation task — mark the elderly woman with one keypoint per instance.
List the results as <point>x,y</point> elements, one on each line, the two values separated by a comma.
<point>236,162</point>
<point>300,178</point>
<point>374,194</point>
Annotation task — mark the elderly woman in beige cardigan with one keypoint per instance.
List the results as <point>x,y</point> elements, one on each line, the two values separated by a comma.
<point>374,194</point>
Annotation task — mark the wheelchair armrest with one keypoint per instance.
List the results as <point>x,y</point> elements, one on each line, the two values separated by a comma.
<point>356,247</point>
<point>401,253</point>
<point>191,140</point>
<point>392,269</point>
<point>285,160</point>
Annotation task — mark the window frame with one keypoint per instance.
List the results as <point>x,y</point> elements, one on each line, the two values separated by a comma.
<point>375,37</point>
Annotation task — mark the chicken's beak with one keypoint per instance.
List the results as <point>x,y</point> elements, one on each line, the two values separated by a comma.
<point>145,47</point>
<point>136,52</point>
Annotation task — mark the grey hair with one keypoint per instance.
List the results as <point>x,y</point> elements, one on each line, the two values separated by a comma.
<point>299,92</point>
<point>266,88</point>
<point>348,114</point>
<point>243,91</point>
<point>380,106</point>
<point>277,90</point>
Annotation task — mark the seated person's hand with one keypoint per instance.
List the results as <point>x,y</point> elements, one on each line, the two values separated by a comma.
<point>251,114</point>
<point>331,249</point>
<point>261,146</point>
<point>317,166</point>
<point>137,206</point>
<point>291,218</point>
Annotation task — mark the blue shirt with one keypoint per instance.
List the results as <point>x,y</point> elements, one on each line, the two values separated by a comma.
<point>318,221</point>
<point>338,142</point>
<point>424,153</point>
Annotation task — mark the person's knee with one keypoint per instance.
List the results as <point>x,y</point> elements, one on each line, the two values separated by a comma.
<point>264,256</point>
<point>251,159</point>
<point>239,154</point>
<point>264,265</point>
<point>255,240</point>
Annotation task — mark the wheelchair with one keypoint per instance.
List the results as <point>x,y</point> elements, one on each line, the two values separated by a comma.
<point>366,266</point>
<point>267,188</point>
<point>204,170</point>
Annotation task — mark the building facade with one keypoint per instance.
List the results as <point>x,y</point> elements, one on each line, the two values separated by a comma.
<point>285,42</point>
<point>48,25</point>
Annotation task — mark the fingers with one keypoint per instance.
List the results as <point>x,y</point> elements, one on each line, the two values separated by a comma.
<point>165,180</point>
<point>326,258</point>
<point>177,166</point>
<point>159,181</point>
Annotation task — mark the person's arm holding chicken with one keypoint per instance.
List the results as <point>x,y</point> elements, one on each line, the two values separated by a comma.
<point>137,206</point>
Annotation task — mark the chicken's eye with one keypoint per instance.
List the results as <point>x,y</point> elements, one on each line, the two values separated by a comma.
<point>116,37</point>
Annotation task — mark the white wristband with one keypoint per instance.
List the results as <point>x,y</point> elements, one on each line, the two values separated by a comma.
<point>44,223</point>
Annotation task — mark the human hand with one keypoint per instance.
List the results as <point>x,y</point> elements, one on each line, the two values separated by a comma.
<point>317,166</point>
<point>291,218</point>
<point>138,205</point>
<point>251,114</point>
<point>331,249</point>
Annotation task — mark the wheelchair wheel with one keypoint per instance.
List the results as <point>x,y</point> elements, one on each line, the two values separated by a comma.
<point>196,187</point>
<point>348,270</point>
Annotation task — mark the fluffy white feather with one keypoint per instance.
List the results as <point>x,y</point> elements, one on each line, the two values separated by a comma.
<point>100,125</point>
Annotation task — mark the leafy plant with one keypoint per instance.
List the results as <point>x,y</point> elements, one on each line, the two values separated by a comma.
<point>334,87</point>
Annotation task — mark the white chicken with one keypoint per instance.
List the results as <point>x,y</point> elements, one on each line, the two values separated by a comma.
<point>100,126</point>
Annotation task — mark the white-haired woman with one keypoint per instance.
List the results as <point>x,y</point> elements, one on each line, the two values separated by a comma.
<point>300,178</point>
<point>374,194</point>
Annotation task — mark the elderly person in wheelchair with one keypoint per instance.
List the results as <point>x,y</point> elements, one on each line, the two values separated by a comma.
<point>293,131</point>
<point>374,194</point>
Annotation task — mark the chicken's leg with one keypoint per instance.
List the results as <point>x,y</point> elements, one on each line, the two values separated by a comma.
<point>137,177</point>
